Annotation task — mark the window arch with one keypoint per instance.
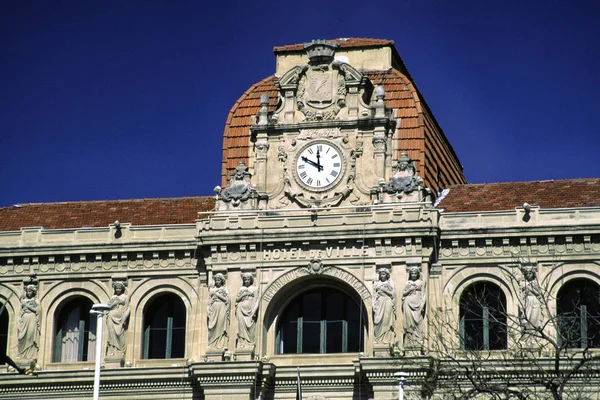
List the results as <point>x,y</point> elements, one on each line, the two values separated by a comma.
<point>483,317</point>
<point>578,306</point>
<point>75,332</point>
<point>164,327</point>
<point>323,320</point>
<point>3,331</point>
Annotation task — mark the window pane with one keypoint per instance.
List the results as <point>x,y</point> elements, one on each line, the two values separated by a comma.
<point>483,315</point>
<point>331,323</point>
<point>311,337</point>
<point>578,307</point>
<point>165,317</point>
<point>334,337</point>
<point>311,307</point>
<point>3,332</point>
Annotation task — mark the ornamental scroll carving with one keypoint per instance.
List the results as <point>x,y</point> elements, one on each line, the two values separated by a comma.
<point>239,193</point>
<point>320,88</point>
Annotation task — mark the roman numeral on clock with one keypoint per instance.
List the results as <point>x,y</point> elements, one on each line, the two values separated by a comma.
<point>309,181</point>
<point>303,175</point>
<point>334,173</point>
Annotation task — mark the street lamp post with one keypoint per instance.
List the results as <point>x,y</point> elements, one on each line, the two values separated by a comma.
<point>99,310</point>
<point>401,376</point>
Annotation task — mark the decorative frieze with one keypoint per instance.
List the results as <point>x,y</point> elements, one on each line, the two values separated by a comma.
<point>520,246</point>
<point>78,263</point>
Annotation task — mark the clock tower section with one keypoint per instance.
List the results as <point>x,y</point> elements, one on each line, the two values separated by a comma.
<point>321,135</point>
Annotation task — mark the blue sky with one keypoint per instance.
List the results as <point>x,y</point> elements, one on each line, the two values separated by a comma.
<point>128,99</point>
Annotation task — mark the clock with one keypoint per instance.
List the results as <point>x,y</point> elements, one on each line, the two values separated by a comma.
<point>319,165</point>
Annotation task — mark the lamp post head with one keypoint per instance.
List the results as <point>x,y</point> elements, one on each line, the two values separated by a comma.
<point>99,308</point>
<point>401,376</point>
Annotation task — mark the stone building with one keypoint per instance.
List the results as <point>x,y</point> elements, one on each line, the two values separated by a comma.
<point>343,250</point>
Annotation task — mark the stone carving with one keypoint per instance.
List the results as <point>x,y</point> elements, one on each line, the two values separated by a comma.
<point>239,190</point>
<point>117,321</point>
<point>261,149</point>
<point>413,308</point>
<point>531,315</point>
<point>384,308</point>
<point>404,179</point>
<point>282,154</point>
<point>315,266</point>
<point>29,324</point>
<point>245,311</point>
<point>404,185</point>
<point>218,313</point>
<point>321,86</point>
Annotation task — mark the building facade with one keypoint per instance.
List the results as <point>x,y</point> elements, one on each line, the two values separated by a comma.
<point>343,254</point>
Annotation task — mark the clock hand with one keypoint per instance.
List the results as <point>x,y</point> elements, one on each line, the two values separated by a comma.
<point>311,162</point>
<point>319,166</point>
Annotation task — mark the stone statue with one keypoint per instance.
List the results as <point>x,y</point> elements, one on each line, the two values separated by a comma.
<point>218,313</point>
<point>245,312</point>
<point>413,308</point>
<point>117,320</point>
<point>404,178</point>
<point>239,188</point>
<point>384,308</point>
<point>530,310</point>
<point>29,325</point>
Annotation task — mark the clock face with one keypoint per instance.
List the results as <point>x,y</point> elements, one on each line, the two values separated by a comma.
<point>319,165</point>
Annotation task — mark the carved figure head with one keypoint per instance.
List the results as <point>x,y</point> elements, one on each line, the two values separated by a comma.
<point>219,279</point>
<point>384,274</point>
<point>414,273</point>
<point>241,171</point>
<point>118,287</point>
<point>529,271</point>
<point>247,279</point>
<point>30,291</point>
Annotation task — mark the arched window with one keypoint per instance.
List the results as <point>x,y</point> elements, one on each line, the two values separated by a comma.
<point>3,330</point>
<point>578,306</point>
<point>164,327</point>
<point>322,320</point>
<point>75,332</point>
<point>483,317</point>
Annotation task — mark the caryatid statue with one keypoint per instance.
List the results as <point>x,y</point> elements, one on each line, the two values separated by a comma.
<point>218,313</point>
<point>531,314</point>
<point>117,320</point>
<point>29,325</point>
<point>245,312</point>
<point>413,308</point>
<point>384,308</point>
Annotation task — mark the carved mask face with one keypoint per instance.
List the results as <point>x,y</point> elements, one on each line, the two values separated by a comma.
<point>218,282</point>
<point>383,276</point>
<point>119,289</point>
<point>29,292</point>
<point>247,280</point>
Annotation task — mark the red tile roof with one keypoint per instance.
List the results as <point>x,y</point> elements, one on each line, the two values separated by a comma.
<point>508,195</point>
<point>344,43</point>
<point>424,142</point>
<point>182,210</point>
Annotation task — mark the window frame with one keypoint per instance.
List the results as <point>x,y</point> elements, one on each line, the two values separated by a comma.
<point>323,291</point>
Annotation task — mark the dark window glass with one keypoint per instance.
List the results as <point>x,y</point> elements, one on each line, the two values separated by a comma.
<point>75,334</point>
<point>578,306</point>
<point>164,327</point>
<point>320,321</point>
<point>3,331</point>
<point>483,317</point>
